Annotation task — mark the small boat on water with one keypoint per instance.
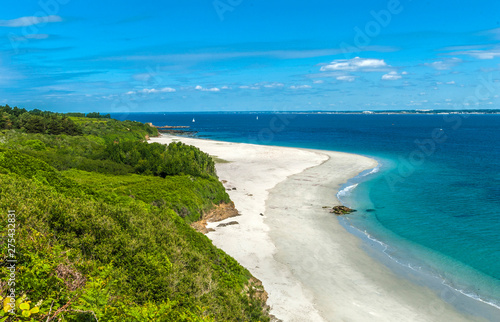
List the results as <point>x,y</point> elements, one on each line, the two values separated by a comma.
<point>257,118</point>
<point>193,120</point>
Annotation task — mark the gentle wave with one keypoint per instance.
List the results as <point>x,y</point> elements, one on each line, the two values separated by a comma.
<point>346,191</point>
<point>385,248</point>
<point>348,187</point>
<point>372,171</point>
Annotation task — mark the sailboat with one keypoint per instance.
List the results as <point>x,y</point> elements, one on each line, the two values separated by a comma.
<point>193,120</point>
<point>257,118</point>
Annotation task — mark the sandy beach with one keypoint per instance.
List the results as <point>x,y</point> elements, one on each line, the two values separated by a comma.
<point>312,268</point>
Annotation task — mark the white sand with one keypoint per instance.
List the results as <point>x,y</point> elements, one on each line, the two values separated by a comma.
<point>312,268</point>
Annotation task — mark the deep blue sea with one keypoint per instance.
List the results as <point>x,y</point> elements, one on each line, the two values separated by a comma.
<point>433,204</point>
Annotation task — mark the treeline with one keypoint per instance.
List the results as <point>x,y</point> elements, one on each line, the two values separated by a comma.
<point>102,228</point>
<point>92,115</point>
<point>37,121</point>
<point>114,154</point>
<point>160,160</point>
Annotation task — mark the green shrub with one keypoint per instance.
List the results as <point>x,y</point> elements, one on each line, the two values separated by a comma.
<point>36,145</point>
<point>102,224</point>
<point>118,255</point>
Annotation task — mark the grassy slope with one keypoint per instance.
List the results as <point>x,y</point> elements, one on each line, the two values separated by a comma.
<point>114,246</point>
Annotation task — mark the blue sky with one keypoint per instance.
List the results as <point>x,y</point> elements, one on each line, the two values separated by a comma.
<point>224,55</point>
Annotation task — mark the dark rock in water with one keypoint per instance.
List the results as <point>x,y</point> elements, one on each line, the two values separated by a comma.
<point>370,210</point>
<point>261,214</point>
<point>341,210</point>
<point>229,223</point>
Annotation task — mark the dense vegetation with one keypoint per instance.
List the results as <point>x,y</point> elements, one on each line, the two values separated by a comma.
<point>102,228</point>
<point>36,121</point>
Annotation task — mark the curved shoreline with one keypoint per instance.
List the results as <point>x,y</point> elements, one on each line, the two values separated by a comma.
<point>312,268</point>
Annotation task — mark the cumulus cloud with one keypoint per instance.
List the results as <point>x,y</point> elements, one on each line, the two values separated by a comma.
<point>319,81</point>
<point>355,64</point>
<point>29,21</point>
<point>300,86</point>
<point>203,89</point>
<point>346,78</point>
<point>391,76</point>
<point>444,64</point>
<point>451,83</point>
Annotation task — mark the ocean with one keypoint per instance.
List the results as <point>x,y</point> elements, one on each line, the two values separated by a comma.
<point>430,210</point>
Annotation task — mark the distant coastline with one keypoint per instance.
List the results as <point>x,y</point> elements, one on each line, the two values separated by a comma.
<point>367,112</point>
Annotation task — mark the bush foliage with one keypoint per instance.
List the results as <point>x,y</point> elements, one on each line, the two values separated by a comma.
<point>102,229</point>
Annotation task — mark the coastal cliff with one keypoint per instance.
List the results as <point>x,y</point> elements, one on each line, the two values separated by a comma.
<point>102,227</point>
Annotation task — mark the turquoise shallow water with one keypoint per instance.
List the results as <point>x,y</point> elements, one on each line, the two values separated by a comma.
<point>433,205</point>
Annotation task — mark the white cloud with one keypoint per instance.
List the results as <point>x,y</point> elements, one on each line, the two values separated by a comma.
<point>272,85</point>
<point>391,76</point>
<point>481,54</point>
<point>404,73</point>
<point>300,86</point>
<point>320,81</point>
<point>444,64</point>
<point>346,78</point>
<point>262,84</point>
<point>355,64</point>
<point>152,91</point>
<point>280,54</point>
<point>29,21</point>
<point>451,83</point>
<point>213,89</point>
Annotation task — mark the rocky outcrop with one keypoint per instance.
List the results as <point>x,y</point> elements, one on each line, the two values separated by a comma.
<point>218,213</point>
<point>341,210</point>
<point>170,129</point>
<point>228,224</point>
